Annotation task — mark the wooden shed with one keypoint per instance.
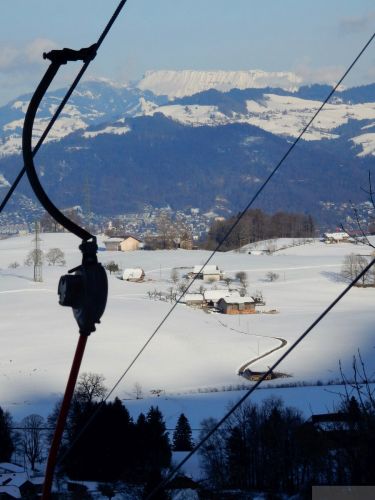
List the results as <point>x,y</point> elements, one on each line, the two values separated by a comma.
<point>236,305</point>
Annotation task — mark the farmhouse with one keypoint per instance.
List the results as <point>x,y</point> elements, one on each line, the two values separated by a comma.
<point>236,305</point>
<point>125,244</point>
<point>339,237</point>
<point>133,274</point>
<point>209,273</point>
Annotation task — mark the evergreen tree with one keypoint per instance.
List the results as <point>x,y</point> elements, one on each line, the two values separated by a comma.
<point>158,447</point>
<point>6,443</point>
<point>182,440</point>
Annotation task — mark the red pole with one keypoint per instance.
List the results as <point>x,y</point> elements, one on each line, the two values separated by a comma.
<point>60,425</point>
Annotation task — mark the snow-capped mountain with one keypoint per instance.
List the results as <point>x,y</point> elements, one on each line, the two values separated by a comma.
<point>139,147</point>
<point>282,115</point>
<point>188,82</point>
<point>95,102</point>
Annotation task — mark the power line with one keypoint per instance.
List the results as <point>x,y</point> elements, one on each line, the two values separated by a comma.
<point>63,103</point>
<point>240,216</point>
<point>263,377</point>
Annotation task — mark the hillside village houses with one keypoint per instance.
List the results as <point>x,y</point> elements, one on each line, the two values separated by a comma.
<point>125,244</point>
<point>15,482</point>
<point>223,301</point>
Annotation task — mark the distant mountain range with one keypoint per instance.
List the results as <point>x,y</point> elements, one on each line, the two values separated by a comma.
<point>199,139</point>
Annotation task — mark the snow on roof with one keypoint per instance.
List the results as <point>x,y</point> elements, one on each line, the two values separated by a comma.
<point>337,236</point>
<point>11,467</point>
<point>114,240</point>
<point>16,479</point>
<point>207,269</point>
<point>11,490</point>
<point>133,273</point>
<point>193,297</point>
<point>238,300</point>
<point>218,294</point>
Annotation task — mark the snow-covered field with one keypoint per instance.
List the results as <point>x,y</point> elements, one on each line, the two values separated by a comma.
<point>193,349</point>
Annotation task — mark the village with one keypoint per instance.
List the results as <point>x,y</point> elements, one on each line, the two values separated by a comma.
<point>207,287</point>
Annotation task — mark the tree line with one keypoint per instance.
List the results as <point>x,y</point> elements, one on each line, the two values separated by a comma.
<point>272,448</point>
<point>113,446</point>
<point>256,225</point>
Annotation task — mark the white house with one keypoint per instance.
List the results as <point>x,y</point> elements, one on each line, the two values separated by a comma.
<point>209,273</point>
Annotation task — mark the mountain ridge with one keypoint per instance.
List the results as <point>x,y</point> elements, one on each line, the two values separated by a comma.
<point>136,147</point>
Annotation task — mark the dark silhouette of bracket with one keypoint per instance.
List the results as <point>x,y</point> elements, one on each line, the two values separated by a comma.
<point>86,290</point>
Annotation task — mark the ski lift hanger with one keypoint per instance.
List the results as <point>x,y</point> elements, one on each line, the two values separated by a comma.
<point>57,58</point>
<point>85,288</point>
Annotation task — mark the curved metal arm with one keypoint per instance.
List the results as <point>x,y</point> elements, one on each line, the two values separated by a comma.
<point>27,144</point>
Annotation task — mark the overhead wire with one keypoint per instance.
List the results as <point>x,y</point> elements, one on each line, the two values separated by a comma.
<point>63,103</point>
<point>230,230</point>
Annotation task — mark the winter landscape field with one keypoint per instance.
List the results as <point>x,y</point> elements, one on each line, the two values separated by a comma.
<point>194,352</point>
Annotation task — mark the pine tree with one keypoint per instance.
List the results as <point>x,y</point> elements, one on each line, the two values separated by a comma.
<point>6,443</point>
<point>158,447</point>
<point>182,440</point>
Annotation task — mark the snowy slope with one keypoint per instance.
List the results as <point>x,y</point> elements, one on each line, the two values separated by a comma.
<point>192,350</point>
<point>282,116</point>
<point>189,82</point>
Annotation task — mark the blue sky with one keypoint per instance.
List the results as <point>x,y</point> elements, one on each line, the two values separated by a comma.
<point>317,39</point>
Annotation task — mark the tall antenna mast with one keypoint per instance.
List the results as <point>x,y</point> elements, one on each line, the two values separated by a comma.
<point>38,255</point>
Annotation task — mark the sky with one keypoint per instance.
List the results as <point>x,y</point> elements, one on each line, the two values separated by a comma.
<point>316,39</point>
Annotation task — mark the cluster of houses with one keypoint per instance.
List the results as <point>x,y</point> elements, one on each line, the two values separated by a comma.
<point>224,301</point>
<point>15,482</point>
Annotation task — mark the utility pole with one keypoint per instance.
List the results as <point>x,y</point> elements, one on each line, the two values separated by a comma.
<point>38,255</point>
<point>87,202</point>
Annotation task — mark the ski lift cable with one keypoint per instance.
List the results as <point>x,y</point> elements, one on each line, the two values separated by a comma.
<point>240,216</point>
<point>62,104</point>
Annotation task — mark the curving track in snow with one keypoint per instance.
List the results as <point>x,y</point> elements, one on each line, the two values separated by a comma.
<point>242,369</point>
